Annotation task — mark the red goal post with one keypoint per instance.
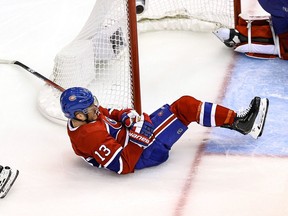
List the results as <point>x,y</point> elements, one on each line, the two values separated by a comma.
<point>104,56</point>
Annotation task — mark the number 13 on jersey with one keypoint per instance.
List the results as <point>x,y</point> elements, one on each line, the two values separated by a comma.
<point>103,152</point>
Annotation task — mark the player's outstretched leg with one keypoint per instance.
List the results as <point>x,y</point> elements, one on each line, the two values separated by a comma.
<point>7,179</point>
<point>251,121</point>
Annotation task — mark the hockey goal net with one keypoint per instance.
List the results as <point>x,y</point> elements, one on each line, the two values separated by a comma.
<point>104,56</point>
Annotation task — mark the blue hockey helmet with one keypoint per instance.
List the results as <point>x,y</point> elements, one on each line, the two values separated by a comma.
<point>76,99</point>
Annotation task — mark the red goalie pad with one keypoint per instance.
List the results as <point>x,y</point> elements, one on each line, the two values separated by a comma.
<point>283,41</point>
<point>259,28</point>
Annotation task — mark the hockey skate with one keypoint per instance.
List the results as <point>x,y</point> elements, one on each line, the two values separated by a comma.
<point>7,179</point>
<point>252,120</point>
<point>230,37</point>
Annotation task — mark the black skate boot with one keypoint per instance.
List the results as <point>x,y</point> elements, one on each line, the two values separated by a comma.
<point>230,37</point>
<point>251,121</point>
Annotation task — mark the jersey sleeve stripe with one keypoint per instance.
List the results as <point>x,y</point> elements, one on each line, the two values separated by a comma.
<point>113,157</point>
<point>110,111</point>
<point>107,128</point>
<point>120,166</point>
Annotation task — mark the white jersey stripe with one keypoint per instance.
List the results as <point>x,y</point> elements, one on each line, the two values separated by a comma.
<point>112,158</point>
<point>202,114</point>
<point>212,117</point>
<point>164,125</point>
<point>120,166</point>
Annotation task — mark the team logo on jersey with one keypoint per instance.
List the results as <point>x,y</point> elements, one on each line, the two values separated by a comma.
<point>160,113</point>
<point>112,121</point>
<point>72,98</point>
<point>180,130</point>
<point>113,125</point>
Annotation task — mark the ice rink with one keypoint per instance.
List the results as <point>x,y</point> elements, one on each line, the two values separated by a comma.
<point>210,172</point>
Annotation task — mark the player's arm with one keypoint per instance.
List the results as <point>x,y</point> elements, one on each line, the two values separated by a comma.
<point>108,153</point>
<point>126,116</point>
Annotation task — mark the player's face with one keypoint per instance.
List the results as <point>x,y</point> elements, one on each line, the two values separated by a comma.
<point>92,112</point>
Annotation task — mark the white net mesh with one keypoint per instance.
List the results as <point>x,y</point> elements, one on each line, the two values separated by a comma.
<point>99,58</point>
<point>195,15</point>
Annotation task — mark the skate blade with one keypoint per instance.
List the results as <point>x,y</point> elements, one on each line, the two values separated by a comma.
<point>259,123</point>
<point>5,177</point>
<point>216,33</point>
<point>9,184</point>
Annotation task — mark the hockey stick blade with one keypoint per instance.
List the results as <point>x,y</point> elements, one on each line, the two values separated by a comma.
<point>49,82</point>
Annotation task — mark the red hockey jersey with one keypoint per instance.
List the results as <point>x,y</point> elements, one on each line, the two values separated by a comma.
<point>105,143</point>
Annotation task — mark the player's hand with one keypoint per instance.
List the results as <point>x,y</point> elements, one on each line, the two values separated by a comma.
<point>129,117</point>
<point>141,132</point>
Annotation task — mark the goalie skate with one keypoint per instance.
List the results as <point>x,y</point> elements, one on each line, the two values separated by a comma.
<point>259,122</point>
<point>7,179</point>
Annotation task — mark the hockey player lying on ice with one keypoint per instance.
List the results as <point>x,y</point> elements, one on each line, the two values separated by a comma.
<point>260,36</point>
<point>122,141</point>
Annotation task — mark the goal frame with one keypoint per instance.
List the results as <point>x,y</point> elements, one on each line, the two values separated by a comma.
<point>132,17</point>
<point>237,11</point>
<point>133,53</point>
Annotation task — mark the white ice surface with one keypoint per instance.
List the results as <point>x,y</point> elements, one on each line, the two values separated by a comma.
<point>53,181</point>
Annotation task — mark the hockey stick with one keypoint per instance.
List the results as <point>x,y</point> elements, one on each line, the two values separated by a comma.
<point>49,82</point>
